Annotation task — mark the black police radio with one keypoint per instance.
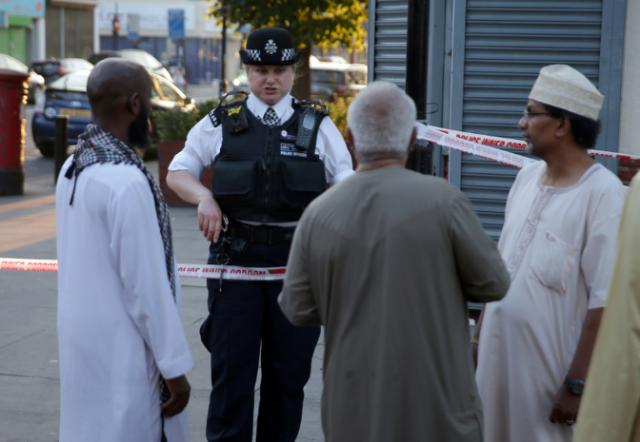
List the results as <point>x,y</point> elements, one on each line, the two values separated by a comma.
<point>312,114</point>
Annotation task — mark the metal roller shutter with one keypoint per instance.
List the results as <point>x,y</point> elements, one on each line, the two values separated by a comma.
<point>388,40</point>
<point>506,44</point>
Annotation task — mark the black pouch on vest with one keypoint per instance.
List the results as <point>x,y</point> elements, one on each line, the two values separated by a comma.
<point>301,182</point>
<point>234,183</point>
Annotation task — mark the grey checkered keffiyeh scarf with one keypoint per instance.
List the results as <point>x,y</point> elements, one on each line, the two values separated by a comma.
<point>96,146</point>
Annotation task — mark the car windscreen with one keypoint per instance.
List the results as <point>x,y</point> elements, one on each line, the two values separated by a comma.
<point>46,68</point>
<point>327,76</point>
<point>168,91</point>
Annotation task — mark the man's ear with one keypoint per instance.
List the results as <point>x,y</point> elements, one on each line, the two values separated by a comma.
<point>414,137</point>
<point>134,104</point>
<point>349,137</point>
<point>563,128</point>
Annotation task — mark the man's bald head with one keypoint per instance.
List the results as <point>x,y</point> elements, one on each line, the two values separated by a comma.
<point>113,82</point>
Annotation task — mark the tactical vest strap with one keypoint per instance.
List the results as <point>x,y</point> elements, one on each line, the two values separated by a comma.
<point>231,110</point>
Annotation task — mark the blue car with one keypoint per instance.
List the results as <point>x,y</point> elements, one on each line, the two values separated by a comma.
<point>64,96</point>
<point>68,96</point>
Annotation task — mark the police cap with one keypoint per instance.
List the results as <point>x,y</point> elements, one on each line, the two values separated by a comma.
<point>269,46</point>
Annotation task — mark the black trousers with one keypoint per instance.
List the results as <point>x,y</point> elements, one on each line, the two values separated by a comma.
<point>243,318</point>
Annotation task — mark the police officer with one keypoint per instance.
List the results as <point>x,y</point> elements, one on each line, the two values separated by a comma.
<point>271,155</point>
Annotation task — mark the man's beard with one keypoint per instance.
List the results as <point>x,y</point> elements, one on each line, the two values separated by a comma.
<point>139,130</point>
<point>529,149</point>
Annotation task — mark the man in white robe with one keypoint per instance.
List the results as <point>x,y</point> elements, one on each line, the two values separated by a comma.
<point>119,327</point>
<point>558,242</point>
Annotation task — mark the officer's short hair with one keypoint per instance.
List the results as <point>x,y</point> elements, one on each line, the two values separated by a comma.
<point>381,119</point>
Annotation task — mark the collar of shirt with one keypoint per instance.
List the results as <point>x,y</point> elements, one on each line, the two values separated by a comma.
<point>283,107</point>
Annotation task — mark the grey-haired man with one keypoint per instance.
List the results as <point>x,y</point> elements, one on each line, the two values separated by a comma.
<point>386,261</point>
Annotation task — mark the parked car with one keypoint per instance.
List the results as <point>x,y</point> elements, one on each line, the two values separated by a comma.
<point>35,81</point>
<point>52,69</point>
<point>64,96</point>
<point>139,56</point>
<point>68,96</point>
<point>328,78</point>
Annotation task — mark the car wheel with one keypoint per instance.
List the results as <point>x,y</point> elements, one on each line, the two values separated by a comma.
<point>46,149</point>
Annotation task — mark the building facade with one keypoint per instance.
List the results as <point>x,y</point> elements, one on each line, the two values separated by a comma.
<point>148,28</point>
<point>480,59</point>
<point>22,29</point>
<point>70,28</point>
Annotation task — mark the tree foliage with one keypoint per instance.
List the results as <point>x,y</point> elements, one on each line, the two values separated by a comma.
<point>323,23</point>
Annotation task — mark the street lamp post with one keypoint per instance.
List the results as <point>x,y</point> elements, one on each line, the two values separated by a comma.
<point>223,51</point>
<point>115,28</point>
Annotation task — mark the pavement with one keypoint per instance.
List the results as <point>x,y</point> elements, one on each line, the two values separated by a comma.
<point>29,379</point>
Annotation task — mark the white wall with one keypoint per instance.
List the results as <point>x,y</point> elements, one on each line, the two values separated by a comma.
<point>630,108</point>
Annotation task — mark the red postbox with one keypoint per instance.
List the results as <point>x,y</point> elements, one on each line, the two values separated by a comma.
<point>13,99</point>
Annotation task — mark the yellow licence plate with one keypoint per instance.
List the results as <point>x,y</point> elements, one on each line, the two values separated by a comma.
<point>79,113</point>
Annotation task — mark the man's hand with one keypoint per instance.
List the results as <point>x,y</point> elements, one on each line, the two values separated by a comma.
<point>209,218</point>
<point>179,390</point>
<point>565,407</point>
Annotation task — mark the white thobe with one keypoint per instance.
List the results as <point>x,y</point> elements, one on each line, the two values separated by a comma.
<point>559,247</point>
<point>119,327</point>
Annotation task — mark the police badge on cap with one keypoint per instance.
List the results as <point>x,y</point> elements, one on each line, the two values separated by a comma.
<point>269,46</point>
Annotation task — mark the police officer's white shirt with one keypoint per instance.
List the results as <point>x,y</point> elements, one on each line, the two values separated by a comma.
<point>204,142</point>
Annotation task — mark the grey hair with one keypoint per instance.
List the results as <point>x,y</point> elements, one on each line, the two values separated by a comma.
<point>381,119</point>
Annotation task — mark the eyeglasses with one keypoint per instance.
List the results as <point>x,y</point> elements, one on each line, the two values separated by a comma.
<point>527,115</point>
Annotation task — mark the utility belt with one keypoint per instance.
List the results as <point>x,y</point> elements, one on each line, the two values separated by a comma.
<point>259,234</point>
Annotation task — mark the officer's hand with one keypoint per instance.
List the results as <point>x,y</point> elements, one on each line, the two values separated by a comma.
<point>209,218</point>
<point>179,390</point>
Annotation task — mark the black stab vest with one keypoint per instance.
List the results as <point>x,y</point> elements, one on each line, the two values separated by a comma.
<point>260,175</point>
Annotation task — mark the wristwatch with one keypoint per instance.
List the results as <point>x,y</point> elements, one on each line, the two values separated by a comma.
<point>574,386</point>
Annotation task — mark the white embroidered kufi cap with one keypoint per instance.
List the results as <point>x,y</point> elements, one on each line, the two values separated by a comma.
<point>564,87</point>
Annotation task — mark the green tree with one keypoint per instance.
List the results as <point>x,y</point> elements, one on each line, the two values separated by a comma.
<point>321,23</point>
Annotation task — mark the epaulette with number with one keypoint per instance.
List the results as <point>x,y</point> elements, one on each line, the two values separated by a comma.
<point>231,111</point>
